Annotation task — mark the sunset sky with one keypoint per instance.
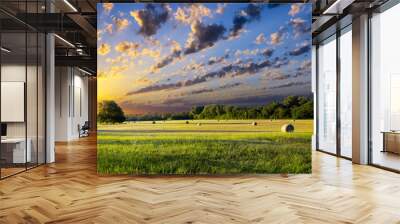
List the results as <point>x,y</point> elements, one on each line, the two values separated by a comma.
<point>157,58</point>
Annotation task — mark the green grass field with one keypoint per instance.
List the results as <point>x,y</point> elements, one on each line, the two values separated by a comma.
<point>214,147</point>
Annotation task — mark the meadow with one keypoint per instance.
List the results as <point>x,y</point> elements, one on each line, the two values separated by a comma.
<point>204,147</point>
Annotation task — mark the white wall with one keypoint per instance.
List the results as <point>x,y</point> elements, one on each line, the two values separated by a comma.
<point>71,102</point>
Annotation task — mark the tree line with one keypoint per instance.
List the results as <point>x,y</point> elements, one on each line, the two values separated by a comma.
<point>291,107</point>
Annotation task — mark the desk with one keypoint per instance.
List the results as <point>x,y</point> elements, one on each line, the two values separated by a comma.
<point>16,147</point>
<point>391,141</point>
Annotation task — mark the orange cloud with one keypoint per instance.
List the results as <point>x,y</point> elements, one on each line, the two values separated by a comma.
<point>104,49</point>
<point>127,47</point>
<point>220,8</point>
<point>143,81</point>
<point>132,49</point>
<point>120,23</point>
<point>115,71</point>
<point>138,19</point>
<point>108,7</point>
<point>195,12</point>
<point>294,9</point>
<point>109,28</point>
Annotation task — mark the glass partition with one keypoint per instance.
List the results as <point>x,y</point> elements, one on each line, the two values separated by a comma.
<point>346,93</point>
<point>13,94</point>
<point>22,88</point>
<point>327,95</point>
<point>385,89</point>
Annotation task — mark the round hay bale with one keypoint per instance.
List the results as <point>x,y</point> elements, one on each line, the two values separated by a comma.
<point>198,124</point>
<point>153,122</point>
<point>287,128</point>
<point>254,123</point>
<point>187,122</point>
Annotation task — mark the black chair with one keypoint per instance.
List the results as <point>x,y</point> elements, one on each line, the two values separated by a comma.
<point>84,130</point>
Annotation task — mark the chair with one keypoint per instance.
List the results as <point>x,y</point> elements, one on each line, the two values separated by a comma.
<point>84,130</point>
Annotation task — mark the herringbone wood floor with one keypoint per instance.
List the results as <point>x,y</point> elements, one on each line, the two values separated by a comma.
<point>70,191</point>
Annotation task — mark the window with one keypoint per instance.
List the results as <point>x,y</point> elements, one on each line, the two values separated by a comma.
<point>327,95</point>
<point>385,89</point>
<point>346,93</point>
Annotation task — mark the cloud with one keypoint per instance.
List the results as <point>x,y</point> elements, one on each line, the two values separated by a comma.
<point>151,18</point>
<point>128,48</point>
<point>304,69</point>
<point>108,7</point>
<point>302,49</point>
<point>220,8</point>
<point>280,62</point>
<point>203,36</point>
<point>117,60</point>
<point>114,71</point>
<point>275,74</point>
<point>246,15</point>
<point>305,65</point>
<point>300,26</point>
<point>247,52</point>
<point>294,9</point>
<point>143,81</point>
<point>103,49</point>
<point>232,70</point>
<point>150,53</point>
<point>175,46</point>
<point>153,88</point>
<point>260,39</point>
<point>152,42</point>
<point>109,28</point>
<point>205,90</point>
<point>277,37</point>
<point>192,13</point>
<point>268,52</point>
<point>194,66</point>
<point>167,60</point>
<point>290,84</point>
<point>217,60</point>
<point>176,51</point>
<point>132,49</point>
<point>120,23</point>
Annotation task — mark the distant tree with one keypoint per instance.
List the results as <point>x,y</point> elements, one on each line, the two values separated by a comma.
<point>290,101</point>
<point>302,100</point>
<point>281,112</point>
<point>305,111</point>
<point>110,112</point>
<point>269,109</point>
<point>292,107</point>
<point>196,110</point>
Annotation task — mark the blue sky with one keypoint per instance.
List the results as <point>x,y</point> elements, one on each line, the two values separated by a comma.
<point>156,58</point>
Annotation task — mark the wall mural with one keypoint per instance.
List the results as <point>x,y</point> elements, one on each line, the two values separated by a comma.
<point>216,88</point>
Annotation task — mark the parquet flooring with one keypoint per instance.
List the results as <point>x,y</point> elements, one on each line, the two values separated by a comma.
<point>70,191</point>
